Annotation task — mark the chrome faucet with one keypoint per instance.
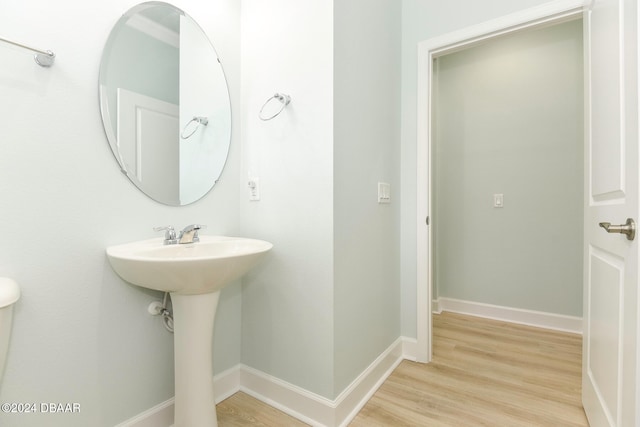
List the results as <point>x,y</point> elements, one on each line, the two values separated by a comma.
<point>190,234</point>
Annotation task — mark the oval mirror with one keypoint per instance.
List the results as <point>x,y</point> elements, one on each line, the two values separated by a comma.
<point>165,103</point>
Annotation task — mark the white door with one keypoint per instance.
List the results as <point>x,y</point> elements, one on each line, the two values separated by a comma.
<point>611,260</point>
<point>149,144</point>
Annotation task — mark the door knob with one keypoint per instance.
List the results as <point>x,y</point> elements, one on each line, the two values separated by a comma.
<point>628,228</point>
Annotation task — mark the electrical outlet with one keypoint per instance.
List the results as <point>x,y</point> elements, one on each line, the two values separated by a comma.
<point>254,188</point>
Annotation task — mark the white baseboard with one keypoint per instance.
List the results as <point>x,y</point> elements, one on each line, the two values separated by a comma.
<point>225,384</point>
<point>435,306</point>
<point>304,405</point>
<point>159,415</point>
<point>356,395</point>
<point>538,319</point>
<point>409,349</point>
<point>316,410</point>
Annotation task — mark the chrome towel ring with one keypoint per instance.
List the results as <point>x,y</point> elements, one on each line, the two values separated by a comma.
<point>199,120</point>
<point>284,99</point>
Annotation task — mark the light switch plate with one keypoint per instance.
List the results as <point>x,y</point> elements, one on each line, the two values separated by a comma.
<point>498,200</point>
<point>384,192</point>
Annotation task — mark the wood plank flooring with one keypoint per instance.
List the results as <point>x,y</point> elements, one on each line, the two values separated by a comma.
<point>243,410</point>
<point>484,373</point>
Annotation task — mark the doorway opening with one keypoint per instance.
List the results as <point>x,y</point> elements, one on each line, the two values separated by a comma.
<point>428,52</point>
<point>508,173</point>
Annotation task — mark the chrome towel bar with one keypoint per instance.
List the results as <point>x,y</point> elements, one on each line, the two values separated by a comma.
<point>44,58</point>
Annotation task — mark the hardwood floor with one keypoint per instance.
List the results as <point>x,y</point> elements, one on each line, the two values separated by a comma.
<point>243,410</point>
<point>484,373</point>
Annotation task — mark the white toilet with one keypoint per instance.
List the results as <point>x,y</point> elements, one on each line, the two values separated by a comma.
<point>9,294</point>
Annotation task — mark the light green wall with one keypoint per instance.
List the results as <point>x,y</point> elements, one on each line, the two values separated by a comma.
<point>366,151</point>
<point>326,303</point>
<point>287,302</point>
<point>509,119</point>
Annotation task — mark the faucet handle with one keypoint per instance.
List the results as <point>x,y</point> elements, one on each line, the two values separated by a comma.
<point>169,234</point>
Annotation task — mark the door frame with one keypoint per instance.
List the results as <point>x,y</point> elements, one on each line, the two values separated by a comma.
<point>545,14</point>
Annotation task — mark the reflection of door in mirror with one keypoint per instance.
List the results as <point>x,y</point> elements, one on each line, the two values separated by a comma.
<point>147,131</point>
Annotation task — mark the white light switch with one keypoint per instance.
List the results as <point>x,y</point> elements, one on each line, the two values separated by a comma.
<point>384,192</point>
<point>498,200</point>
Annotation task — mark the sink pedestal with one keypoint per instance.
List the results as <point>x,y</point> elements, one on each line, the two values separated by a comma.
<point>193,317</point>
<point>194,274</point>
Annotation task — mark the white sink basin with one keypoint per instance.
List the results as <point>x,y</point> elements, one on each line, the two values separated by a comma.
<point>196,268</point>
<point>194,274</point>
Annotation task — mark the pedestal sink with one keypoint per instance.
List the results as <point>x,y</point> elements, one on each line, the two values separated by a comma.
<point>194,274</point>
